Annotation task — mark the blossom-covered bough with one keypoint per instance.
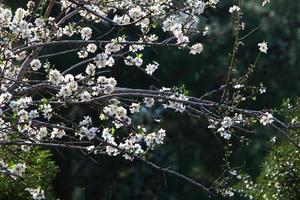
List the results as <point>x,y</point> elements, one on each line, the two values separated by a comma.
<point>37,97</point>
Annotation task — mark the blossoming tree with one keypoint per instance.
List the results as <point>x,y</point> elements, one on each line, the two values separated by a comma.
<point>38,96</point>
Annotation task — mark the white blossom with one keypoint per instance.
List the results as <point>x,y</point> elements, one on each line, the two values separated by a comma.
<point>35,64</point>
<point>150,68</point>
<point>266,118</point>
<point>57,133</point>
<point>265,2</point>
<point>135,107</point>
<point>85,96</point>
<point>136,12</point>
<point>263,47</point>
<point>101,60</point>
<point>196,48</point>
<point>92,48</point>
<point>112,151</point>
<point>234,8</point>
<point>227,122</point>
<point>18,170</point>
<point>90,69</point>
<point>86,33</point>
<point>5,98</point>
<point>37,194</point>
<point>149,102</point>
<point>124,19</point>
<point>55,76</point>
<point>155,138</point>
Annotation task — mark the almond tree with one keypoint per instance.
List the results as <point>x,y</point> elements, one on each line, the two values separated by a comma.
<point>38,96</point>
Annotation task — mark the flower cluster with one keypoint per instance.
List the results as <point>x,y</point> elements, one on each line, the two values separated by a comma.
<point>86,130</point>
<point>37,194</point>
<point>263,47</point>
<point>15,171</point>
<point>224,126</point>
<point>266,118</point>
<point>132,145</point>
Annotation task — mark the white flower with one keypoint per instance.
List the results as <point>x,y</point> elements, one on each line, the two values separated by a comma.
<point>265,2</point>
<point>20,14</point>
<point>273,139</point>
<point>2,164</point>
<point>225,135</point>
<point>91,133</point>
<point>205,31</point>
<point>135,107</point>
<point>124,19</point>
<point>227,122</point>
<point>37,194</point>
<point>33,114</point>
<point>92,48</point>
<point>109,88</point>
<point>135,12</point>
<point>90,69</point>
<point>229,193</point>
<point>107,85</point>
<point>177,106</point>
<point>86,121</point>
<point>5,98</point>
<point>57,133</point>
<point>85,96</point>
<point>155,138</point>
<point>196,48</point>
<point>86,33</point>
<point>69,78</point>
<point>5,16</point>
<point>183,40</point>
<point>238,86</point>
<point>82,54</point>
<point>65,92</point>
<point>129,60</point>
<point>113,47</point>
<point>42,133</point>
<point>266,118</point>
<point>46,110</point>
<point>131,145</point>
<point>111,151</point>
<point>214,2</point>
<point>136,48</point>
<point>101,60</point>
<point>110,62</point>
<point>55,76</point>
<point>262,90</point>
<point>111,140</point>
<point>234,8</point>
<point>149,102</point>
<point>150,68</point>
<point>35,64</point>
<point>39,22</point>
<point>106,135</point>
<point>21,103</point>
<point>138,61</point>
<point>73,86</point>
<point>160,135</point>
<point>18,169</point>
<point>90,148</point>
<point>199,6</point>
<point>263,47</point>
<point>21,56</point>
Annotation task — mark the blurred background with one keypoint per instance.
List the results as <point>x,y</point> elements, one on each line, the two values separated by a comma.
<point>190,148</point>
